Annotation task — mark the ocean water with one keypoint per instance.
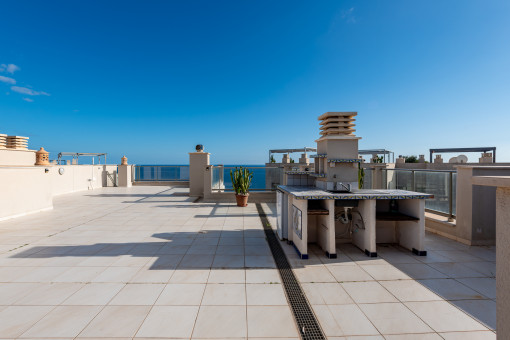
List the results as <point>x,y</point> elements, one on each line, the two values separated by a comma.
<point>151,172</point>
<point>258,181</point>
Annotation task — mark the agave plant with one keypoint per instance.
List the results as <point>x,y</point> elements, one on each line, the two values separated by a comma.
<point>241,180</point>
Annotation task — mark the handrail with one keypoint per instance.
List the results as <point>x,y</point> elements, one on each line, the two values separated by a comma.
<point>420,170</point>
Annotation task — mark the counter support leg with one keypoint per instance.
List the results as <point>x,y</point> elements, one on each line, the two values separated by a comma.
<point>326,229</point>
<point>298,215</point>
<point>365,238</point>
<point>412,233</point>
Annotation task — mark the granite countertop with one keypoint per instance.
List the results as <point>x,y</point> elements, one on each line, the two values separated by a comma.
<point>308,192</point>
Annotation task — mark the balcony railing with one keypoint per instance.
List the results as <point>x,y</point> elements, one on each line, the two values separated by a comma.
<point>440,183</point>
<point>264,178</point>
<point>161,173</point>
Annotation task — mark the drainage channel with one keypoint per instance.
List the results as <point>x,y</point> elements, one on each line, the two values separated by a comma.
<point>309,327</point>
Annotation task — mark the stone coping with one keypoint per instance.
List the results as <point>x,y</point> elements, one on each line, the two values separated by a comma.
<point>308,192</point>
<point>494,181</point>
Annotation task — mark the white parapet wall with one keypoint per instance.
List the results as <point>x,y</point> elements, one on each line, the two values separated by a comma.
<point>29,189</point>
<point>24,190</point>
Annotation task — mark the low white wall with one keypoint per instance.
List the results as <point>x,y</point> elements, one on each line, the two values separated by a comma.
<point>25,190</point>
<point>78,177</point>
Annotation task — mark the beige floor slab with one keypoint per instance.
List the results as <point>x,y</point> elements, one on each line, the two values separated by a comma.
<point>148,275</point>
<point>15,320</point>
<point>182,294</point>
<point>49,294</point>
<point>368,292</point>
<point>486,268</point>
<point>271,322</point>
<point>227,276</point>
<point>265,295</point>
<point>443,317</point>
<point>262,276</point>
<point>169,322</point>
<point>482,310</point>
<point>11,292</point>
<point>43,274</point>
<point>229,250</point>
<point>351,320</point>
<point>384,272</point>
<point>327,321</point>
<point>485,286</point>
<point>426,336</point>
<point>221,322</point>
<point>94,294</point>
<point>451,289</point>
<point>314,274</point>
<point>394,318</point>
<point>326,294</point>
<point>165,262</point>
<point>228,261</point>
<point>79,274</point>
<point>420,271</point>
<point>456,270</point>
<point>410,290</point>
<point>116,274</point>
<point>469,336</point>
<point>138,294</point>
<point>116,321</point>
<point>195,261</point>
<point>62,322</point>
<point>349,273</point>
<point>259,261</point>
<point>224,295</point>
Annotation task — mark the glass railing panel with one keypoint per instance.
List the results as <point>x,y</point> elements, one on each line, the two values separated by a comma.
<point>161,173</point>
<point>403,180</point>
<point>437,184</point>
<point>264,178</point>
<point>454,194</point>
<point>367,180</point>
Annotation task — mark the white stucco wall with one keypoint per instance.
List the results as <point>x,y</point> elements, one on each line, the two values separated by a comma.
<point>25,190</point>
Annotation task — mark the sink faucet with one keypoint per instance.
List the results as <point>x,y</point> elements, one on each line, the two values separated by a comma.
<point>341,186</point>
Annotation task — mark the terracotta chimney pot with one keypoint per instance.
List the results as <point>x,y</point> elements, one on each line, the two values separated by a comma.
<point>42,157</point>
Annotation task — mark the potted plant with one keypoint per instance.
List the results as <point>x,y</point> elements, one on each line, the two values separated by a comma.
<point>241,181</point>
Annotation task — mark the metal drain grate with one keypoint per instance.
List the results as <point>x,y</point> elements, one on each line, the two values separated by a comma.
<point>309,327</point>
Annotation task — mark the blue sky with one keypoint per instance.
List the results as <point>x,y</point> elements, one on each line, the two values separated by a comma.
<point>150,79</point>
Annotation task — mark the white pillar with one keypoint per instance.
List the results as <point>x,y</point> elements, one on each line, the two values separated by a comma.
<point>197,164</point>
<point>125,175</point>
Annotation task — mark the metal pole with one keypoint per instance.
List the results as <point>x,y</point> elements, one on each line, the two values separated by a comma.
<point>413,181</point>
<point>450,198</point>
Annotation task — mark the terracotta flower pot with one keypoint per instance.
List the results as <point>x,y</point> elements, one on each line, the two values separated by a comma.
<point>242,200</point>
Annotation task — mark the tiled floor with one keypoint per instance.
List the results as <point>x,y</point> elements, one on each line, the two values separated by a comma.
<point>146,262</point>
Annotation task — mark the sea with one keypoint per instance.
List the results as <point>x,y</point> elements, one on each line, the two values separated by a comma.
<point>180,172</point>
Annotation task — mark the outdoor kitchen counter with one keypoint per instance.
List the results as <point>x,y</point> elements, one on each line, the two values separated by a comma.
<point>307,214</point>
<point>313,193</point>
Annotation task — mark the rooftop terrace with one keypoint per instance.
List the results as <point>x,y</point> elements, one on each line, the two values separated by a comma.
<point>148,262</point>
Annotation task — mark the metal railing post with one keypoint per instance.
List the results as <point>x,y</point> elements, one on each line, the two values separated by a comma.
<point>413,181</point>
<point>450,197</point>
